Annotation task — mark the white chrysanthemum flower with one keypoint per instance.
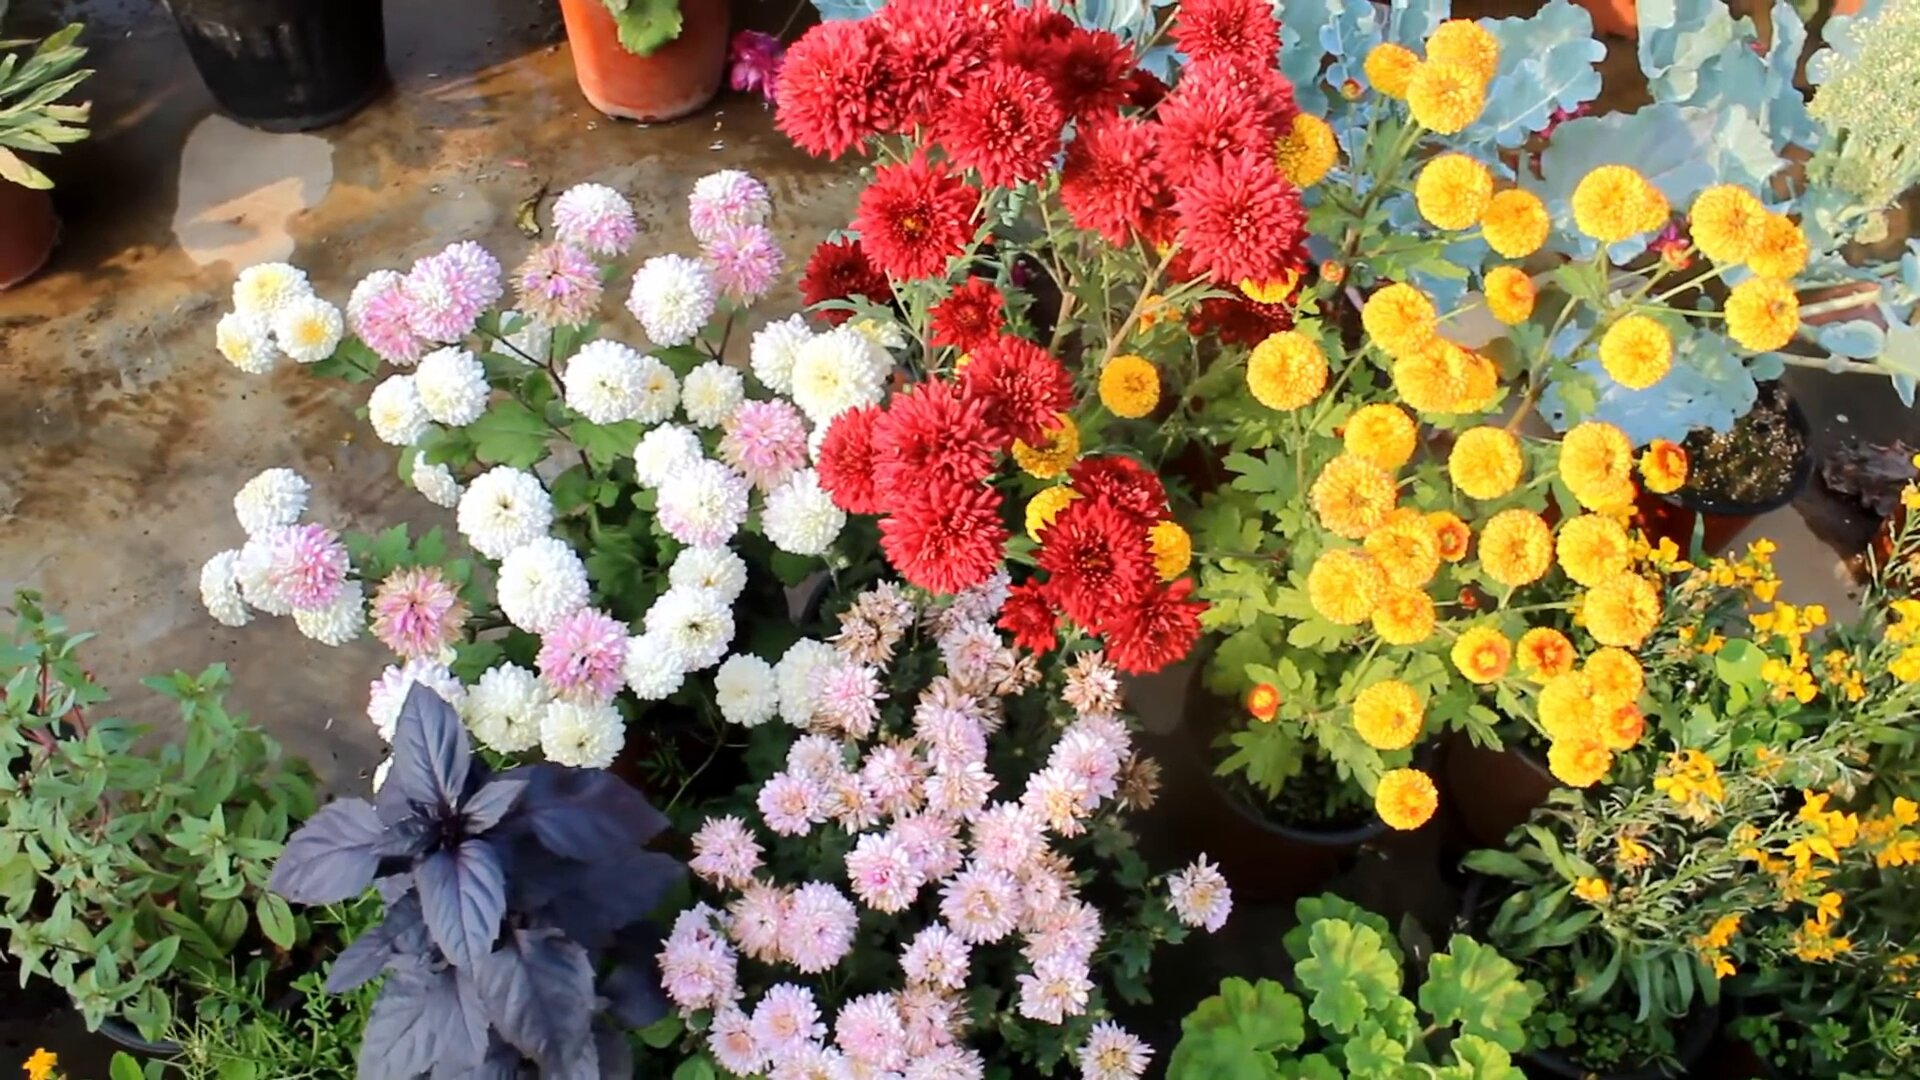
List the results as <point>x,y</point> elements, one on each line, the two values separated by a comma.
<point>1113,1053</point>
<point>220,590</point>
<point>583,736</point>
<point>436,482</point>
<point>453,386</point>
<point>253,570</point>
<point>596,219</point>
<point>398,416</point>
<point>800,517</point>
<point>834,372</point>
<point>266,289</point>
<point>663,453</point>
<point>659,391</point>
<point>388,694</point>
<point>716,568</point>
<point>726,198</point>
<point>711,394</point>
<point>502,509</point>
<point>504,708</point>
<point>603,382</point>
<point>704,504</point>
<point>308,329</point>
<point>246,341</point>
<point>746,691</point>
<point>1199,896</point>
<point>673,297</point>
<point>693,626</point>
<point>773,350</point>
<point>541,582</point>
<point>795,673</point>
<point>652,672</point>
<point>275,497</point>
<point>338,622</point>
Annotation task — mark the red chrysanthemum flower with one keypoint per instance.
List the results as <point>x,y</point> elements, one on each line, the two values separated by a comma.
<point>840,270</point>
<point>934,47</point>
<point>1029,35</point>
<point>1097,557</point>
<point>847,462</point>
<point>1128,485</point>
<point>970,315</point>
<point>1111,181</point>
<point>836,88</point>
<point>1219,110</point>
<point>948,537</point>
<point>1024,387</point>
<point>1029,616</point>
<point>1156,630</point>
<point>1006,126</point>
<point>914,217</point>
<point>1088,71</point>
<point>1145,90</point>
<point>932,432</point>
<point>1242,30</point>
<point>1240,218</point>
<point>1236,320</point>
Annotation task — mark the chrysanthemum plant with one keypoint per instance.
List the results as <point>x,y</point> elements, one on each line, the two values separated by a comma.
<point>635,516</point>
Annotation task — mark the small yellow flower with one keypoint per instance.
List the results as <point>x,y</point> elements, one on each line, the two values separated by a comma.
<point>1406,798</point>
<point>1762,315</point>
<point>1566,707</point>
<point>1344,585</point>
<point>1631,853</point>
<point>40,1065</point>
<point>1055,455</point>
<point>1725,223</point>
<point>1545,653</point>
<point>1045,506</point>
<point>1401,319</point>
<point>1580,761</point>
<point>1614,202</point>
<point>1390,69</point>
<point>1453,534</point>
<point>1130,386</point>
<point>1452,191</point>
<point>1403,616</point>
<point>1622,610</point>
<point>1593,547</point>
<point>1664,467</point>
<point>1596,463</point>
<point>1636,351</point>
<point>1486,463</point>
<point>1482,654</point>
<point>1406,549</point>
<point>1352,496</point>
<point>1172,549</point>
<point>1591,889</point>
<point>1510,294</point>
<point>1308,152</point>
<point>1516,223</point>
<point>1467,43</point>
<point>1286,371</point>
<point>1780,250</point>
<point>1516,547</point>
<point>1388,715</point>
<point>1446,97</point>
<point>1615,675</point>
<point>1441,378</point>
<point>1382,433</point>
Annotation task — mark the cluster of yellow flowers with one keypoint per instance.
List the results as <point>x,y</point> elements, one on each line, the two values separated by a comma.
<point>1447,90</point>
<point>1787,626</point>
<point>1591,714</point>
<point>1692,781</point>
<point>1712,945</point>
<point>1892,836</point>
<point>1903,631</point>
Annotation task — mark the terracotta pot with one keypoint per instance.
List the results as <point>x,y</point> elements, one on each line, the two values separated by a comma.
<point>679,78</point>
<point>1672,517</point>
<point>1614,18</point>
<point>28,229</point>
<point>1493,792</point>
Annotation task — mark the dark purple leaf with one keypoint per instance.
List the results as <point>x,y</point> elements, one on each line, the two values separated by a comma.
<point>332,858</point>
<point>463,896</point>
<point>632,988</point>
<point>430,760</point>
<point>407,837</point>
<point>538,991</point>
<point>603,897</point>
<point>587,813</point>
<point>493,802</point>
<point>401,931</point>
<point>420,1021</point>
<point>616,1057</point>
<point>503,1063</point>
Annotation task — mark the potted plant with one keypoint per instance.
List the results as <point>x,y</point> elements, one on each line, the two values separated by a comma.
<point>32,120</point>
<point>648,60</point>
<point>287,65</point>
<point>1733,477</point>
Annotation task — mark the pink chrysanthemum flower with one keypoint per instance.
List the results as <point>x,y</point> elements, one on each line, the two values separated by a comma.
<point>819,927</point>
<point>753,62</point>
<point>447,293</point>
<point>596,218</point>
<point>1007,836</point>
<point>757,918</point>
<point>869,1031</point>
<point>746,261</point>
<point>377,314</point>
<point>959,788</point>
<point>558,285</point>
<point>895,776</point>
<point>1057,989</point>
<point>724,200</point>
<point>848,698</point>
<point>725,852</point>
<point>933,1020</point>
<point>307,565</point>
<point>732,1044</point>
<point>697,968</point>
<point>881,873</point>
<point>418,613</point>
<point>1061,799</point>
<point>932,842</point>
<point>791,805</point>
<point>1200,897</point>
<point>786,1019</point>
<point>937,957</point>
<point>766,441</point>
<point>981,903</point>
<point>1086,751</point>
<point>583,658</point>
<point>1112,1053</point>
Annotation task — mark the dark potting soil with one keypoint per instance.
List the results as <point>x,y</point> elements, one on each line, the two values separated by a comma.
<point>1752,462</point>
<point>1317,799</point>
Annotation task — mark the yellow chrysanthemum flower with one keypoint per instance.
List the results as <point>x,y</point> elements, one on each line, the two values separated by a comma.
<point>1390,67</point>
<point>1130,386</point>
<point>1614,202</point>
<point>1516,547</point>
<point>1053,457</point>
<point>1172,549</point>
<point>1352,496</point>
<point>1619,724</point>
<point>1404,616</point>
<point>1406,798</point>
<point>1516,223</point>
<point>1286,371</point>
<point>1580,762</point>
<point>1406,549</point>
<point>1725,223</point>
<point>1486,463</point>
<point>1593,547</point>
<point>1452,191</point>
<point>1308,152</point>
<point>1622,610</point>
<point>1616,676</point>
<point>1276,291</point>
<point>1453,534</point>
<point>1544,653</point>
<point>1762,315</point>
<point>1388,715</point>
<point>1780,250</point>
<point>1446,97</point>
<point>1636,351</point>
<point>1482,654</point>
<point>1467,43</point>
<point>1045,506</point>
<point>1383,434</point>
<point>1663,466</point>
<point>1344,585</point>
<point>1566,706</point>
<point>1437,379</point>
<point>1400,319</point>
<point>1483,384</point>
<point>1510,294</point>
<point>1596,464</point>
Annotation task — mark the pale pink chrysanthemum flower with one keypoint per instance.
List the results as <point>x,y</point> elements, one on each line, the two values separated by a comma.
<point>1112,1053</point>
<point>1089,757</point>
<point>1072,929</point>
<point>558,285</point>
<point>377,315</point>
<point>811,1062</point>
<point>933,1018</point>
<point>982,602</point>
<point>703,504</point>
<point>746,261</point>
<point>583,656</point>
<point>970,650</point>
<point>766,441</point>
<point>725,852</point>
<point>937,957</point>
<point>730,1040</point>
<point>1057,988</point>
<point>868,1030</point>
<point>959,789</point>
<point>1061,799</point>
<point>1200,897</point>
<point>791,805</point>
<point>954,738</point>
<point>848,698</point>
<point>894,775</point>
<point>816,757</point>
<point>387,695</point>
<point>418,613</point>
<point>756,921</point>
<point>981,903</point>
<point>786,1019</point>
<point>596,218</point>
<point>753,62</point>
<point>1007,836</point>
<point>882,874</point>
<point>448,292</point>
<point>726,199</point>
<point>1043,895</point>
<point>819,927</point>
<point>1093,686</point>
<point>947,1063</point>
<point>698,969</point>
<point>932,842</point>
<point>306,565</point>
<point>1110,731</point>
<point>849,802</point>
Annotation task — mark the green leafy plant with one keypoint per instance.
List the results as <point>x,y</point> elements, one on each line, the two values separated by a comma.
<point>645,25</point>
<point>31,86</point>
<point>127,867</point>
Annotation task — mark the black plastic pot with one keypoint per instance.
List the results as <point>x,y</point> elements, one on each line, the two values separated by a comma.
<point>287,65</point>
<point>123,1035</point>
<point>1672,516</point>
<point>1493,792</point>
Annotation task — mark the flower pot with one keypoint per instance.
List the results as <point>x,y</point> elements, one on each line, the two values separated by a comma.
<point>123,1035</point>
<point>287,65</point>
<point>679,78</point>
<point>1614,18</point>
<point>1494,791</point>
<point>28,228</point>
<point>1672,517</point>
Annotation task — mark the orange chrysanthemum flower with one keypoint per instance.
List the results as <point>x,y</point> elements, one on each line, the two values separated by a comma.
<point>1566,706</point>
<point>1516,547</point>
<point>1579,762</point>
<point>1407,551</point>
<point>1663,467</point>
<point>1467,43</point>
<point>1383,434</point>
<point>1388,715</point>
<point>1596,463</point>
<point>1510,294</point>
<point>1482,654</point>
<point>1615,674</point>
<point>1593,547</point>
<point>1390,68</point>
<point>1406,798</point>
<point>1454,535</point>
<point>1545,652</point>
<point>1403,616</point>
<point>1622,610</point>
<point>1352,496</point>
<point>1516,223</point>
<point>1344,585</point>
<point>1286,371</point>
<point>1486,463</point>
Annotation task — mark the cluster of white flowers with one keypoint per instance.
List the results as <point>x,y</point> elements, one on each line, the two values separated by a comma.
<point>285,567</point>
<point>275,314</point>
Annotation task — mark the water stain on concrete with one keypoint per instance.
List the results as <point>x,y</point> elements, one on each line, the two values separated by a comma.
<point>240,190</point>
